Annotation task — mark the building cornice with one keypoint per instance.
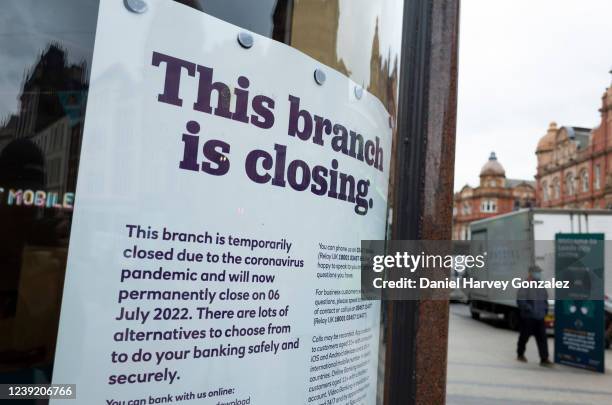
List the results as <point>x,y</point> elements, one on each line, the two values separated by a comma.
<point>546,170</point>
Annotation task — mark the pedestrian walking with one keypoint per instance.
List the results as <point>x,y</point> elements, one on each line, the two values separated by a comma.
<point>533,307</point>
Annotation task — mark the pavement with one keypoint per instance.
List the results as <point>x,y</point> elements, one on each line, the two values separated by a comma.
<point>482,369</point>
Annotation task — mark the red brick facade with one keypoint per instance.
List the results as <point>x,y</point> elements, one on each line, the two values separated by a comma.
<point>494,196</point>
<point>575,164</point>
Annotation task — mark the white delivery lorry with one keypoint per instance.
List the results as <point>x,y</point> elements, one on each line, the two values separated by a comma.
<point>525,238</point>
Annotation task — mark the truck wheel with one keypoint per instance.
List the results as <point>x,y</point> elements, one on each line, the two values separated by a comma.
<point>512,320</point>
<point>475,315</point>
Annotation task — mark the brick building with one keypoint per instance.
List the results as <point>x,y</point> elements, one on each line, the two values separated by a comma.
<point>575,164</point>
<point>494,196</point>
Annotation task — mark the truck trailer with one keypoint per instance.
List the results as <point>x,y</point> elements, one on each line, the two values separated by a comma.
<point>523,239</point>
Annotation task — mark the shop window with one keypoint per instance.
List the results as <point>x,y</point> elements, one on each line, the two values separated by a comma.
<point>44,91</point>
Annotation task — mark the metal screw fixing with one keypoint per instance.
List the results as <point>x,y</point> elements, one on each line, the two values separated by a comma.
<point>245,40</point>
<point>136,6</point>
<point>319,76</point>
<point>358,92</point>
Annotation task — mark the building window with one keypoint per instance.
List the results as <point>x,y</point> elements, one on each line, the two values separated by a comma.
<point>597,182</point>
<point>467,210</point>
<point>584,179</point>
<point>545,191</point>
<point>488,206</point>
<point>556,188</point>
<point>569,184</point>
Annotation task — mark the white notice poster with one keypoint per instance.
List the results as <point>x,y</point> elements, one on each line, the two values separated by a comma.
<point>221,200</point>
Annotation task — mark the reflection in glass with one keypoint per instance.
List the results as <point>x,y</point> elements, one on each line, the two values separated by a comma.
<point>335,32</point>
<point>45,51</point>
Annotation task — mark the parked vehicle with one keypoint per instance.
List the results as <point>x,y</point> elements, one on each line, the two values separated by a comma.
<point>528,240</point>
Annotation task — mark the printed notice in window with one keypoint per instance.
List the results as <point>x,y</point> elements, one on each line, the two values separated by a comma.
<point>222,197</point>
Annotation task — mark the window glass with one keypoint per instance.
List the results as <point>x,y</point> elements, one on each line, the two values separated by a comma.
<point>359,38</point>
<point>45,55</point>
<point>585,180</point>
<point>46,50</point>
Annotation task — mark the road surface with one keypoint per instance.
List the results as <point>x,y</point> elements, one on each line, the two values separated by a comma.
<point>482,369</point>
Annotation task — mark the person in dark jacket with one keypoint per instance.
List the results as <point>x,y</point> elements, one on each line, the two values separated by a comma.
<point>533,307</point>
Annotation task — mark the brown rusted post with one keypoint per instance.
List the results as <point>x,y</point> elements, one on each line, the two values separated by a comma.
<point>416,352</point>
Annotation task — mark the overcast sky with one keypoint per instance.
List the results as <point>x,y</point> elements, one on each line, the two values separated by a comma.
<point>522,64</point>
